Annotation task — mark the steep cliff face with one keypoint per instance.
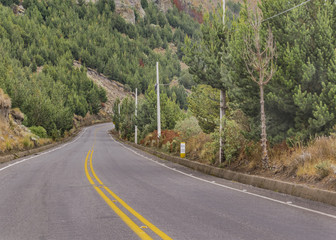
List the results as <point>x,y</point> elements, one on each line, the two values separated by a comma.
<point>125,8</point>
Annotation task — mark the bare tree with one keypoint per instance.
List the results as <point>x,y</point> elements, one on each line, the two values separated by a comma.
<point>259,59</point>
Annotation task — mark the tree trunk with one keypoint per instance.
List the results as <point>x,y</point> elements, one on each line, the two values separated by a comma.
<point>264,159</point>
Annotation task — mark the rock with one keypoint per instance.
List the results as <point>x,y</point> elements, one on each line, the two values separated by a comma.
<point>303,157</point>
<point>17,115</point>
<point>34,140</point>
<point>125,9</point>
<point>333,167</point>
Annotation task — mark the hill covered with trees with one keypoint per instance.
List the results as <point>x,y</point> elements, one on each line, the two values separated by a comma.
<point>38,49</point>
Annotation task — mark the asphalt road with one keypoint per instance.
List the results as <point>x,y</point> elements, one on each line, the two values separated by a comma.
<point>96,188</point>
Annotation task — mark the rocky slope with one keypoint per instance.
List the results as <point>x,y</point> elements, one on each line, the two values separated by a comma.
<point>113,89</point>
<point>13,135</point>
<point>125,8</point>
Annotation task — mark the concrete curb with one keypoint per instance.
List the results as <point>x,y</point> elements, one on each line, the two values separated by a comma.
<point>293,189</point>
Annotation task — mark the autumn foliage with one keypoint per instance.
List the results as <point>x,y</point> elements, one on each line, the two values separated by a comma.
<point>182,6</point>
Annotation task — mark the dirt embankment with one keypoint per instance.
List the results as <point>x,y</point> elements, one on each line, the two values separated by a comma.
<point>13,135</point>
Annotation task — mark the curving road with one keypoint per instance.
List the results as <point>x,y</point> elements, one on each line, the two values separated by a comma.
<point>96,188</point>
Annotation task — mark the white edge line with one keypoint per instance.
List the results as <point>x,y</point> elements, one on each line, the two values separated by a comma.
<point>231,188</point>
<point>43,153</point>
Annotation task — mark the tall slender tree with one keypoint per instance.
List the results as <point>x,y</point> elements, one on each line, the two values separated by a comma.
<point>259,57</point>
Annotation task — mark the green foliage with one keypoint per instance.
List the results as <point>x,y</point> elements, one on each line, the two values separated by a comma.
<point>204,104</point>
<point>188,127</point>
<point>116,116</point>
<point>300,99</point>
<point>39,131</point>
<point>302,92</point>
<point>207,57</point>
<point>234,139</point>
<point>9,2</point>
<point>147,112</point>
<point>186,80</point>
<point>127,118</point>
<point>323,169</point>
<point>54,33</point>
<point>144,4</point>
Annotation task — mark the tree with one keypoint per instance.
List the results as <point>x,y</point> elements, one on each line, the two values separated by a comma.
<point>305,41</point>
<point>209,59</point>
<point>259,58</point>
<point>204,104</point>
<point>144,4</point>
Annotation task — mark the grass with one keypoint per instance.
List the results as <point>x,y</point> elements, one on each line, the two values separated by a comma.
<point>14,137</point>
<point>314,163</point>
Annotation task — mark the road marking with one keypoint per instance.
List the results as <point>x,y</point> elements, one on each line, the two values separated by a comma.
<point>123,216</point>
<point>43,153</point>
<point>231,188</point>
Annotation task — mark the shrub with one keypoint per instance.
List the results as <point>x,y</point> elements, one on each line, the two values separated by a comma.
<point>27,143</point>
<point>188,127</point>
<point>323,169</point>
<point>234,140</point>
<point>39,131</point>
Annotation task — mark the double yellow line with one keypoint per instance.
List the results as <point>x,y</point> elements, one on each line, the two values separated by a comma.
<point>115,199</point>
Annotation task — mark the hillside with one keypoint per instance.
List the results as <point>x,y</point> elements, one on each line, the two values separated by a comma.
<point>114,90</point>
<point>42,41</point>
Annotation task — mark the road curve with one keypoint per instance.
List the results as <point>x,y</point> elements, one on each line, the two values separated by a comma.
<point>97,188</point>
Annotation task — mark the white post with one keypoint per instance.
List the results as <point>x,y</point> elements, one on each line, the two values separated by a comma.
<point>158,100</point>
<point>119,117</point>
<point>223,11</point>
<point>136,114</point>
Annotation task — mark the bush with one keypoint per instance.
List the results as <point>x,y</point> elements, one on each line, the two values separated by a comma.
<point>323,169</point>
<point>27,143</point>
<point>234,140</point>
<point>188,127</point>
<point>39,131</point>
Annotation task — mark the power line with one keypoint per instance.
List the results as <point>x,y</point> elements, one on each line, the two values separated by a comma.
<point>287,10</point>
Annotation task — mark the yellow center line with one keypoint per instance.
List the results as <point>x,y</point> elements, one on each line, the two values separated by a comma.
<point>122,215</point>
<point>131,210</point>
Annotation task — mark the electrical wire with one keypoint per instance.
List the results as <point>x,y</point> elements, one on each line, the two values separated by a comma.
<point>287,10</point>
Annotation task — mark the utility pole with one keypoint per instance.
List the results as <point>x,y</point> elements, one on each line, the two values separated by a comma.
<point>136,114</point>
<point>221,106</point>
<point>119,117</point>
<point>158,101</point>
<point>223,11</point>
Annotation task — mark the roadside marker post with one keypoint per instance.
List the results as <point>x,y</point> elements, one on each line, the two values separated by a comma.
<point>182,152</point>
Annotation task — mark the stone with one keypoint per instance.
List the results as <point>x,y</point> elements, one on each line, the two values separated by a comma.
<point>34,140</point>
<point>333,167</point>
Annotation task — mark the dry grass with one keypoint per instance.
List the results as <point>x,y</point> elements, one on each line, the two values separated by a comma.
<point>315,160</point>
<point>5,102</point>
<point>13,136</point>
